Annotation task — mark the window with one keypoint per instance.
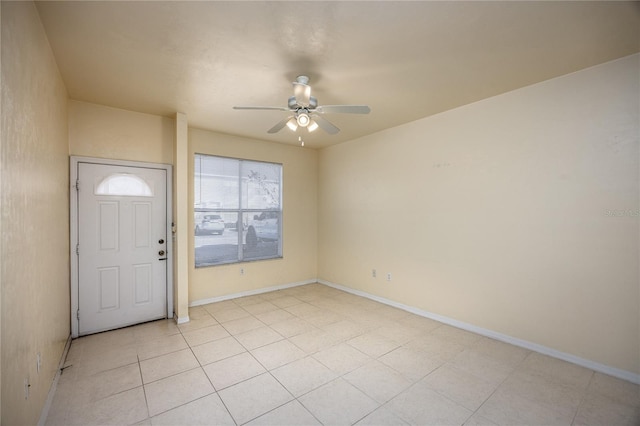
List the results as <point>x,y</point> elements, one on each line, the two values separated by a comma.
<point>237,210</point>
<point>124,184</point>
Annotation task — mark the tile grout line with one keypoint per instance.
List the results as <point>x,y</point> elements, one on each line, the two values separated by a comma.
<point>583,397</point>
<point>515,369</point>
<point>144,390</point>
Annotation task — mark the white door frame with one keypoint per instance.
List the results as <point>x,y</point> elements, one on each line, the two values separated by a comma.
<point>73,228</point>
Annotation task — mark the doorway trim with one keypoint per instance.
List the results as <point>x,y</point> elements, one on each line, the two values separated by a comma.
<point>73,228</point>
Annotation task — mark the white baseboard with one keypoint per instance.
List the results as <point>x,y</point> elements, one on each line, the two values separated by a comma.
<point>602,368</point>
<point>182,320</point>
<point>250,293</point>
<point>54,385</point>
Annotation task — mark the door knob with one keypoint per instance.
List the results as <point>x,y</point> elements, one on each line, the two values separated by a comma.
<point>161,252</point>
<point>161,241</point>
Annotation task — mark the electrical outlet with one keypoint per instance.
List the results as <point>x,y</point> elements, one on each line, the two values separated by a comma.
<point>389,276</point>
<point>38,362</point>
<point>373,273</point>
<point>241,271</point>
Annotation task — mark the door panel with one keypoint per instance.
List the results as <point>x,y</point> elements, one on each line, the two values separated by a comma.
<point>142,284</point>
<point>109,226</point>
<point>121,221</point>
<point>109,288</point>
<point>141,224</point>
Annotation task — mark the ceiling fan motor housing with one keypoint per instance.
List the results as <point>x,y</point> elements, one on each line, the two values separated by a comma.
<point>293,105</point>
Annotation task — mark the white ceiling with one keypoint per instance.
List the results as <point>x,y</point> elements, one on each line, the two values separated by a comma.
<point>406,60</point>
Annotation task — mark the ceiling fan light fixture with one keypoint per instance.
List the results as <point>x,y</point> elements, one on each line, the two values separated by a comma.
<point>292,124</point>
<point>304,110</point>
<point>303,119</point>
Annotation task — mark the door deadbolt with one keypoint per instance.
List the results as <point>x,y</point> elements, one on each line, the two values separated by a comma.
<point>161,252</point>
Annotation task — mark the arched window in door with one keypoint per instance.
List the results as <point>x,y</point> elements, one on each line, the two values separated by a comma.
<point>124,184</point>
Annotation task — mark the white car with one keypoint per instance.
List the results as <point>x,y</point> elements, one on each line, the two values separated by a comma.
<point>209,224</point>
<point>266,230</point>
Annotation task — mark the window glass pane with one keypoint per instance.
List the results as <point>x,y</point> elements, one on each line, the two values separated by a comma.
<point>124,184</point>
<point>237,210</point>
<point>262,236</point>
<point>216,238</point>
<point>216,182</point>
<point>261,185</point>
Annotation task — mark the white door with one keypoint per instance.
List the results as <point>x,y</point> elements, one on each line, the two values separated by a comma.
<point>122,245</point>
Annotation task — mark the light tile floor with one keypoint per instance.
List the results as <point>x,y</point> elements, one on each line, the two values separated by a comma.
<point>315,355</point>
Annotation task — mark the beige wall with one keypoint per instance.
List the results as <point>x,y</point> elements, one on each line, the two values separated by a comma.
<point>299,218</point>
<point>105,132</point>
<point>496,214</point>
<point>35,214</point>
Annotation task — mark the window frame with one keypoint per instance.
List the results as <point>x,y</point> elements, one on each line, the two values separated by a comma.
<point>240,211</point>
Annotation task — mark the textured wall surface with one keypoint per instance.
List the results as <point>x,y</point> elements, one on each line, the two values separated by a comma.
<point>518,214</point>
<point>35,214</point>
<point>104,132</point>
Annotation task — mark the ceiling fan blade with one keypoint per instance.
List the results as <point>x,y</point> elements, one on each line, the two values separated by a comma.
<point>302,93</point>
<point>343,109</point>
<point>279,126</point>
<point>325,125</point>
<point>262,108</point>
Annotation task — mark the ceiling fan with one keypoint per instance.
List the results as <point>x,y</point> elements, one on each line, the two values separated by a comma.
<point>306,111</point>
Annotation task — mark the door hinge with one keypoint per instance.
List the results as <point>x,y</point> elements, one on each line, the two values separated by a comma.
<point>78,314</point>
<point>77,184</point>
<point>78,249</point>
